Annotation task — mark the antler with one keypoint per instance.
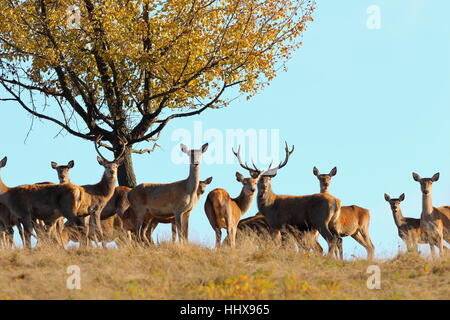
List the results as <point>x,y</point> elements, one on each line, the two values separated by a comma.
<point>288,154</point>
<point>273,171</point>
<point>97,142</point>
<point>238,156</point>
<point>123,143</point>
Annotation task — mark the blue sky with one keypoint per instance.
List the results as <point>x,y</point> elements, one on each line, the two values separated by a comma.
<point>374,103</point>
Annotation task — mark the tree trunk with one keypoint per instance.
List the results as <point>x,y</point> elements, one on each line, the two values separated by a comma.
<point>125,173</point>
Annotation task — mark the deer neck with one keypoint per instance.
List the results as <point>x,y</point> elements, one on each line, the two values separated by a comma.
<point>398,218</point>
<point>107,184</point>
<point>193,179</point>
<point>323,189</point>
<point>427,204</point>
<point>244,201</point>
<point>3,187</point>
<point>265,198</point>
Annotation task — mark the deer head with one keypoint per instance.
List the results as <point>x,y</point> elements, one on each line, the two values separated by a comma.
<point>426,183</point>
<point>194,155</point>
<point>249,184</point>
<point>202,186</point>
<point>111,166</point>
<point>395,203</point>
<point>63,171</point>
<point>324,179</point>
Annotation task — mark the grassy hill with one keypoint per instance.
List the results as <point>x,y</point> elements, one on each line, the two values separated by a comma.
<point>254,270</point>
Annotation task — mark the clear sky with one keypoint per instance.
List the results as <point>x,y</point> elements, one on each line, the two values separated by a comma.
<point>373,102</point>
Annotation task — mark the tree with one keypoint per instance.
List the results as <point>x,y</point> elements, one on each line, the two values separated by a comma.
<point>125,68</point>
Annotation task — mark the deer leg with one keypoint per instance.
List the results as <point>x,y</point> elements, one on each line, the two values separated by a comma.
<point>185,224</point>
<point>331,239</point>
<point>218,232</point>
<point>179,228</point>
<point>28,229</point>
<point>174,232</point>
<point>276,236</point>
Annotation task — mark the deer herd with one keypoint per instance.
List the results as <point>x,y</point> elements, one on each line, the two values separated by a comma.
<point>102,212</point>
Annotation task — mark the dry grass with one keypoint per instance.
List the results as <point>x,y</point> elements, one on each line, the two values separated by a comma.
<point>255,270</point>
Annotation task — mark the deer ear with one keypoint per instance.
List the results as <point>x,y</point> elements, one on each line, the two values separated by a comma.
<point>402,197</point>
<point>239,177</point>
<point>387,197</point>
<point>209,180</point>
<point>316,171</point>
<point>416,176</point>
<point>205,147</point>
<point>53,164</point>
<point>100,161</point>
<point>333,171</point>
<point>435,177</point>
<point>185,149</point>
<point>71,164</point>
<point>3,162</point>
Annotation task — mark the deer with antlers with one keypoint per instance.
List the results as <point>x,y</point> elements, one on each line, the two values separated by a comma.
<point>353,220</point>
<point>225,212</point>
<point>166,200</point>
<point>307,213</point>
<point>434,222</point>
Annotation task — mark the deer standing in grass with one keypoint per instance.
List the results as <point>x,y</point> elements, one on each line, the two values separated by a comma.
<point>225,212</point>
<point>353,220</point>
<point>8,221</point>
<point>48,202</point>
<point>41,201</point>
<point>150,223</point>
<point>306,213</point>
<point>434,222</point>
<point>166,200</point>
<point>408,228</point>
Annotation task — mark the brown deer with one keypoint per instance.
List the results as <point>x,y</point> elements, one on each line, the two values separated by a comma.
<point>259,226</point>
<point>353,220</point>
<point>225,212</point>
<point>47,202</point>
<point>164,200</point>
<point>150,223</point>
<point>311,212</point>
<point>408,228</point>
<point>434,222</point>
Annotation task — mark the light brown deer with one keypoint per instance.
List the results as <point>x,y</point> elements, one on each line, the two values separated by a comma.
<point>150,223</point>
<point>408,228</point>
<point>306,213</point>
<point>225,212</point>
<point>434,222</point>
<point>164,200</point>
<point>353,220</point>
<point>98,195</point>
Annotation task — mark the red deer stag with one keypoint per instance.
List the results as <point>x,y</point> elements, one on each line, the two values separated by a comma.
<point>166,200</point>
<point>353,220</point>
<point>306,213</point>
